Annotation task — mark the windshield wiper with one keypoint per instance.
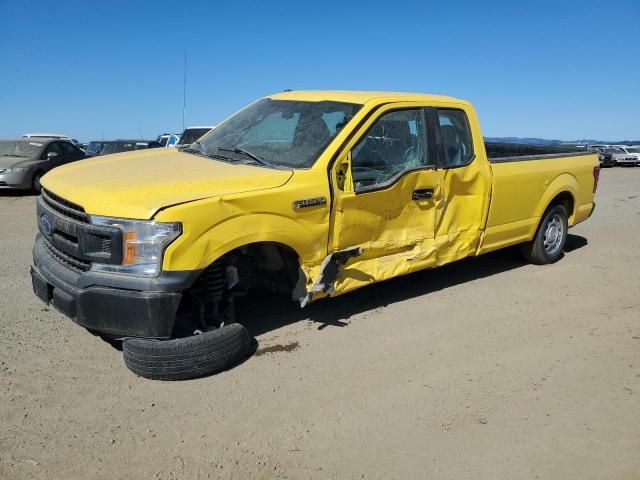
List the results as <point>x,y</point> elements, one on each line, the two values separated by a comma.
<point>203,153</point>
<point>247,153</point>
<point>11,155</point>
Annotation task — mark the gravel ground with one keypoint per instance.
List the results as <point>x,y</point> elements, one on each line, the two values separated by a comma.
<point>488,368</point>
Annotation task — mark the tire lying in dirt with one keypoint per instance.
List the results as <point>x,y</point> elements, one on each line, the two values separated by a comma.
<point>190,357</point>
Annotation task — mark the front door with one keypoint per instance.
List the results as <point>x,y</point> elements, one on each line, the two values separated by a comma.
<point>54,160</point>
<point>385,192</point>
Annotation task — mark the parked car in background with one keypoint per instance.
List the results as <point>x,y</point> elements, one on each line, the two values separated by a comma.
<point>96,146</point>
<point>168,139</point>
<point>24,161</point>
<point>191,134</point>
<point>51,135</point>
<point>604,157</point>
<point>621,157</point>
<point>632,150</point>
<point>608,153</point>
<point>119,146</point>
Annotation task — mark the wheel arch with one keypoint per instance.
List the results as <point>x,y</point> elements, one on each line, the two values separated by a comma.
<point>563,190</point>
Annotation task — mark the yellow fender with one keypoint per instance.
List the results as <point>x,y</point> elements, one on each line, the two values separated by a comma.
<point>564,182</point>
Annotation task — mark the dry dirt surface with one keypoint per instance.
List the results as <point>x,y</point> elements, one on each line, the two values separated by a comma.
<point>486,369</point>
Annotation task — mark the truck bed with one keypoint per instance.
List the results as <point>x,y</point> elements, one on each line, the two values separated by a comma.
<point>513,152</point>
<point>520,192</point>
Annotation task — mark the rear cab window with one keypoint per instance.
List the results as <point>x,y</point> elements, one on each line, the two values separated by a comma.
<point>455,138</point>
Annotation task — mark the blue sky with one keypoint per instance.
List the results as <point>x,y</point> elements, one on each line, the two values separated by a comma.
<point>554,69</point>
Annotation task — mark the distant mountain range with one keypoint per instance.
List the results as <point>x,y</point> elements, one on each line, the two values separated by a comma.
<point>545,141</point>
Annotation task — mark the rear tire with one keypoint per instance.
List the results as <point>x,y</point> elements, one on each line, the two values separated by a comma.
<point>551,236</point>
<point>190,357</point>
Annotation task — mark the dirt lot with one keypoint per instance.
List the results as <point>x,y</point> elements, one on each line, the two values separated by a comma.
<point>489,368</point>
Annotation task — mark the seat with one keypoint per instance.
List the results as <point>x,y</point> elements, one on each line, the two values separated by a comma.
<point>311,131</point>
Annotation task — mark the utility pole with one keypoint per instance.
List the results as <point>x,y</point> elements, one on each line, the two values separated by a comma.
<point>184,88</point>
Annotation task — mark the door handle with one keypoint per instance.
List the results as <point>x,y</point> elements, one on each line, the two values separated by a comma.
<point>422,194</point>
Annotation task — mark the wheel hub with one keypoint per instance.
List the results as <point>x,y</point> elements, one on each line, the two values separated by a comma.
<point>553,234</point>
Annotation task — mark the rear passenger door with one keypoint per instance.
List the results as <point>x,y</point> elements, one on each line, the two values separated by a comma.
<point>466,185</point>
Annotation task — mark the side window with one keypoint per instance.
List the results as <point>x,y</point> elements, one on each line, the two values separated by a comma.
<point>53,147</point>
<point>395,143</point>
<point>68,152</point>
<point>125,147</point>
<point>172,141</point>
<point>456,138</point>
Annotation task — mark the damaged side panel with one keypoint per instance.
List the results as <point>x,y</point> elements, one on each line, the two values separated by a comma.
<point>462,211</point>
<point>392,232</point>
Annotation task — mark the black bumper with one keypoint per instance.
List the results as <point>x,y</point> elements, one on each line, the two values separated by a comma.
<point>117,305</point>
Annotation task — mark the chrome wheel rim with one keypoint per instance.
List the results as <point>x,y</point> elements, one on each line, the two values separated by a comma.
<point>553,234</point>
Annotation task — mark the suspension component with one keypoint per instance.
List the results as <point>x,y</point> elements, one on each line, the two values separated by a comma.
<point>209,291</point>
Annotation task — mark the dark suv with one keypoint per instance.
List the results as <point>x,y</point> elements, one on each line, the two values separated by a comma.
<point>119,146</point>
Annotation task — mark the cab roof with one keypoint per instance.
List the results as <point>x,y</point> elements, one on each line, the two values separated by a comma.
<point>361,97</point>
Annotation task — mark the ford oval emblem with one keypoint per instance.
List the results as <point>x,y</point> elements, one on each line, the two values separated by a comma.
<point>47,227</point>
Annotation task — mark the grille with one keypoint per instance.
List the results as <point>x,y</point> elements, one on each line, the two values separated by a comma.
<point>70,261</point>
<point>106,245</point>
<point>71,238</point>
<point>64,207</point>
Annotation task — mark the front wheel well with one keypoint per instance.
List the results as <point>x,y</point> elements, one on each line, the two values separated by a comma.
<point>268,266</point>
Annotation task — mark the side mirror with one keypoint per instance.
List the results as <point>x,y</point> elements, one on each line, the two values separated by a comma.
<point>52,155</point>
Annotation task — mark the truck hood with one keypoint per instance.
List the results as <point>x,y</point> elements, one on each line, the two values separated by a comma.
<point>138,184</point>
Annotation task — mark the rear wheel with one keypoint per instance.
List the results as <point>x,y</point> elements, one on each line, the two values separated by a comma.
<point>548,243</point>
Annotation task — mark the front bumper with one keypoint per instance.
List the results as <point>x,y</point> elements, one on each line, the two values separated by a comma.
<point>627,161</point>
<point>20,180</point>
<point>117,305</point>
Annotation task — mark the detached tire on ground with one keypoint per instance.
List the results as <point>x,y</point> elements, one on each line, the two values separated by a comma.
<point>551,236</point>
<point>190,357</point>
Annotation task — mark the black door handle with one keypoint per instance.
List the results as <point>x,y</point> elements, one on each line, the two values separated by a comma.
<point>423,194</point>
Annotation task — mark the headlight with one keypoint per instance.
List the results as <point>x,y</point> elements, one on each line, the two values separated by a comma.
<point>143,244</point>
<point>16,169</point>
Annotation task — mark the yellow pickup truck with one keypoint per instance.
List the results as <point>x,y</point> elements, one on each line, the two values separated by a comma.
<point>312,193</point>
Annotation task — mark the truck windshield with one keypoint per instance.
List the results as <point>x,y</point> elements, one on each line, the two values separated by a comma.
<point>284,133</point>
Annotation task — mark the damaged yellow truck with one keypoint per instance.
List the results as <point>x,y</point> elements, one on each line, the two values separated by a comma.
<point>312,193</point>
